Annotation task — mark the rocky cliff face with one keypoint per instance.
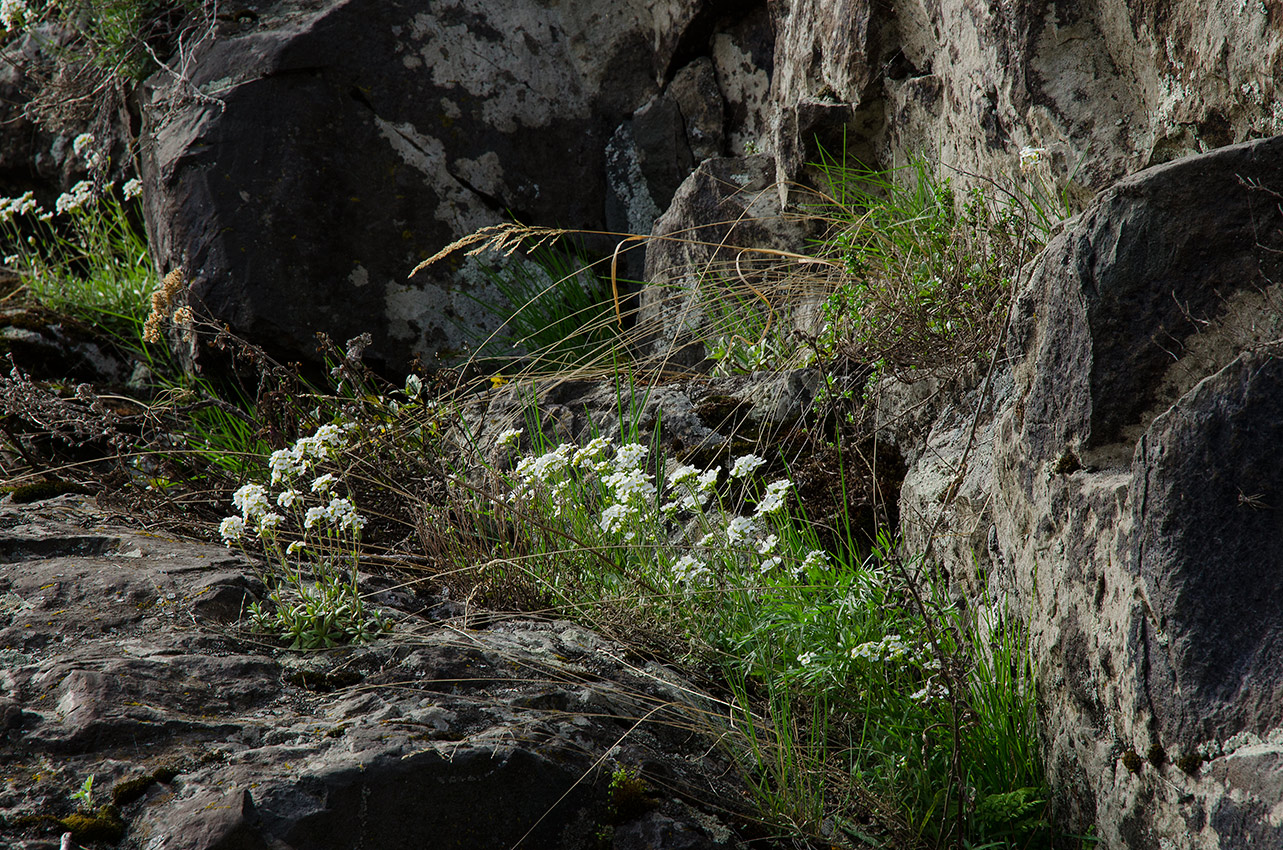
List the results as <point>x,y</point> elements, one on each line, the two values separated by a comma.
<point>1119,492</point>
<point>1122,499</point>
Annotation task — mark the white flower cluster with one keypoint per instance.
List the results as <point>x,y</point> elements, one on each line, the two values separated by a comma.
<point>133,188</point>
<point>254,503</point>
<point>11,207</point>
<point>890,648</point>
<point>14,13</point>
<point>84,147</point>
<point>72,200</point>
<point>1031,156</point>
<point>297,461</point>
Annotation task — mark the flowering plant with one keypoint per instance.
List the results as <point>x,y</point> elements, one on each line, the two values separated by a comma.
<point>313,534</point>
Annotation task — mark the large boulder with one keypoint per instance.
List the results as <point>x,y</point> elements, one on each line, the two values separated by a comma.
<point>317,151</point>
<point>123,661</point>
<point>1136,499</point>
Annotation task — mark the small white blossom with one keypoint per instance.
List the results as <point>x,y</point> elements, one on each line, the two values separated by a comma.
<point>10,207</point>
<point>509,438</point>
<point>323,483</point>
<point>232,529</point>
<point>628,456</point>
<point>268,523</point>
<point>284,463</point>
<point>13,13</point>
<point>745,466</point>
<point>288,498</point>
<point>343,513</point>
<point>614,518</point>
<point>589,457</point>
<point>1031,156</point>
<point>313,516</point>
<point>806,659</point>
<point>768,545</point>
<point>82,143</point>
<point>814,559</point>
<point>295,547</point>
<point>79,195</point>
<point>773,499</point>
<point>690,569</point>
<point>739,528</point>
<point>683,474</point>
<point>251,501</point>
<point>132,189</point>
<point>630,485</point>
<point>770,564</point>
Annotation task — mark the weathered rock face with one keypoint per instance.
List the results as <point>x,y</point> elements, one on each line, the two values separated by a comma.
<point>1107,88</point>
<point>704,243</point>
<point>1124,500</point>
<point>350,139</point>
<point>122,659</point>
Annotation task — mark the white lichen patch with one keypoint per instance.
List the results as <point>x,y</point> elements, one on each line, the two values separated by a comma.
<point>359,277</point>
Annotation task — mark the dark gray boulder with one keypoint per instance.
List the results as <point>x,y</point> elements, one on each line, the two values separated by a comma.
<point>334,145</point>
<point>122,658</point>
<point>1136,499</point>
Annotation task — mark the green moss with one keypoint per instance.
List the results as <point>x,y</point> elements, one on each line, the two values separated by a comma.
<point>1132,762</point>
<point>1157,756</point>
<point>102,824</point>
<point>38,491</point>
<point>630,796</point>
<point>1190,763</point>
<point>127,790</point>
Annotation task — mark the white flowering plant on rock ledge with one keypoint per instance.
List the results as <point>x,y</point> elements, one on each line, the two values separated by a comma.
<point>310,536</point>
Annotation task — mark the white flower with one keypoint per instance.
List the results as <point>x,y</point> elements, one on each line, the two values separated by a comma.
<point>630,485</point>
<point>807,658</point>
<point>79,195</point>
<point>328,435</point>
<point>739,528</point>
<point>323,483</point>
<point>132,189</point>
<point>589,456</point>
<point>773,499</point>
<point>745,465</point>
<point>509,438</point>
<point>13,13</point>
<point>10,207</point>
<point>628,456</point>
<point>1030,156</point>
<point>770,564</point>
<point>232,529</point>
<point>296,546</point>
<point>313,516</point>
<point>815,559</point>
<point>682,474</point>
<point>268,523</point>
<point>284,463</point>
<point>691,570</point>
<point>342,512</point>
<point>82,143</point>
<point>768,545</point>
<point>288,498</point>
<point>251,501</point>
<point>614,517</point>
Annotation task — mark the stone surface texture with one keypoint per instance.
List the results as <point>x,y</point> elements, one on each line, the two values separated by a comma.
<point>122,659</point>
<point>1107,88</point>
<point>1122,498</point>
<point>337,144</point>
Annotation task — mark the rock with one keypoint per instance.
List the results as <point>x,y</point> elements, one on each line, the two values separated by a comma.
<point>340,143</point>
<point>1135,497</point>
<point>702,247</point>
<point>1105,90</point>
<point>122,659</point>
